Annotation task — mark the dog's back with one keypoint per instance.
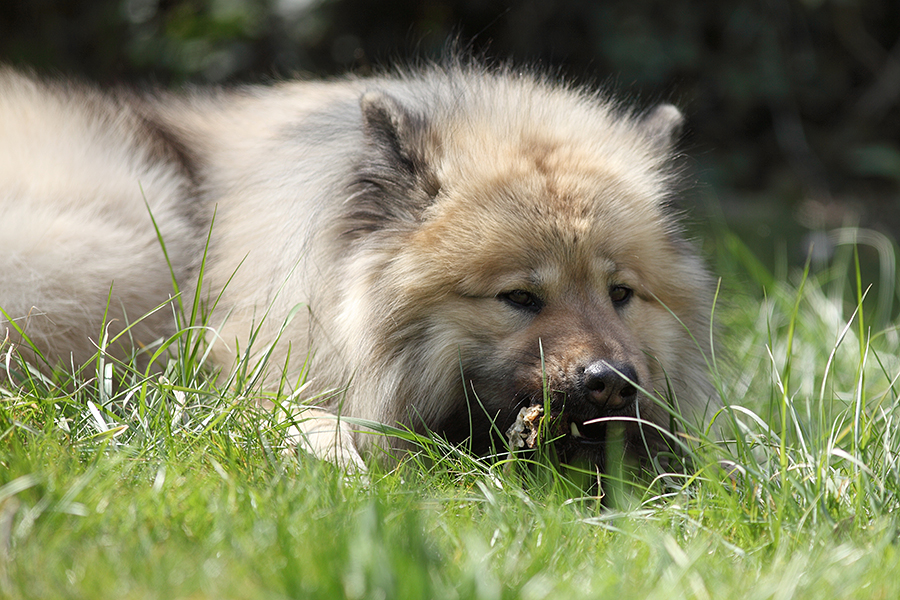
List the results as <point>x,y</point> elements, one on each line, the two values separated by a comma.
<point>80,175</point>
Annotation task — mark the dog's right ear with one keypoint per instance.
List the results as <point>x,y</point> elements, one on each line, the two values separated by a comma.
<point>395,130</point>
<point>394,180</point>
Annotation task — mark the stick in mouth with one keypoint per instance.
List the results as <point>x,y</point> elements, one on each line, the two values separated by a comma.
<point>524,432</point>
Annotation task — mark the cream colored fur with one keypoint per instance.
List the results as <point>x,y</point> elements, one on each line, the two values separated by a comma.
<point>386,217</point>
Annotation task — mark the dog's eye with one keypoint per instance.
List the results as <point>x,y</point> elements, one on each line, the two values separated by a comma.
<point>620,294</point>
<point>522,299</point>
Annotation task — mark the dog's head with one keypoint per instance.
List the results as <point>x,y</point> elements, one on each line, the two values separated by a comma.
<point>541,264</point>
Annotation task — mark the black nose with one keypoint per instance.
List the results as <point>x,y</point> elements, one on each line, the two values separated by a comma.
<point>607,388</point>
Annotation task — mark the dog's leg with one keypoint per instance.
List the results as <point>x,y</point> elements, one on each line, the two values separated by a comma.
<point>327,437</point>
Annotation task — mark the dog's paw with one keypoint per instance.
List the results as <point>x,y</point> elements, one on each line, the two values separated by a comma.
<point>327,437</point>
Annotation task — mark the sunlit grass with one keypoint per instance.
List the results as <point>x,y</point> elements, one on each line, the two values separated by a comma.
<point>122,481</point>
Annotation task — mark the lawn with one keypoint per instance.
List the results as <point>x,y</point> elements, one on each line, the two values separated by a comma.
<point>120,483</point>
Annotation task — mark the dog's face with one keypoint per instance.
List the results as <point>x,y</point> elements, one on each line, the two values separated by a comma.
<point>541,275</point>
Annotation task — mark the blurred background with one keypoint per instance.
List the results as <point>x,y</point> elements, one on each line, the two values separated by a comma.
<point>793,106</point>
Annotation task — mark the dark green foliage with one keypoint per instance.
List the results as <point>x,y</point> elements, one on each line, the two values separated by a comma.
<point>796,97</point>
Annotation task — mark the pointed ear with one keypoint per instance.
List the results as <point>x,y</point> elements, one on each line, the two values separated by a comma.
<point>394,180</point>
<point>663,125</point>
<point>396,130</point>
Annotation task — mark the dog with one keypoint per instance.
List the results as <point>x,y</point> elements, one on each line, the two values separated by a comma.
<point>439,248</point>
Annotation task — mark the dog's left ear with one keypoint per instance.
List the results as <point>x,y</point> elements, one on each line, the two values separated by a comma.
<point>663,125</point>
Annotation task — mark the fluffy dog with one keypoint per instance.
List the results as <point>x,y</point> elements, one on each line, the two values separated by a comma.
<point>442,247</point>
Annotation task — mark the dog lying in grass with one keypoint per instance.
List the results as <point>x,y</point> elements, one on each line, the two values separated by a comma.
<point>439,248</point>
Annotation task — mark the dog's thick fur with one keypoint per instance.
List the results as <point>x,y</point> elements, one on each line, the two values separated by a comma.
<point>459,239</point>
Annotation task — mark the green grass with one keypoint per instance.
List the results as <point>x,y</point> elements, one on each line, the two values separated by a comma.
<point>133,484</point>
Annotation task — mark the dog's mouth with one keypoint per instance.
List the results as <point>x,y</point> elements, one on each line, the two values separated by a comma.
<point>533,427</point>
<point>590,432</point>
